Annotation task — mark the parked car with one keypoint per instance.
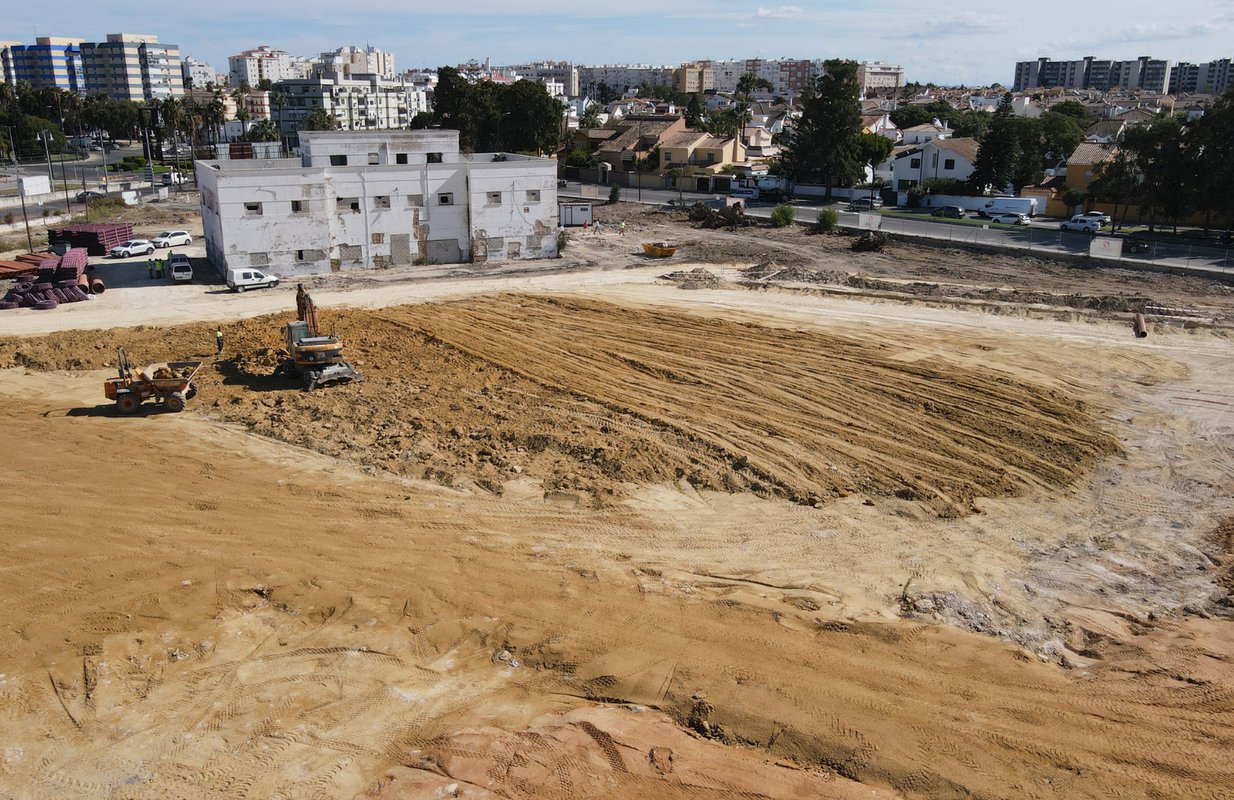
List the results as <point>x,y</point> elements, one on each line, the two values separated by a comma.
<point>865,203</point>
<point>133,247</point>
<point>744,194</point>
<point>951,212</point>
<point>247,278</point>
<point>561,183</point>
<point>180,268</point>
<point>173,178</point>
<point>1099,217</point>
<point>1137,244</point>
<point>1080,224</point>
<point>172,239</point>
<point>87,196</point>
<point>1009,218</point>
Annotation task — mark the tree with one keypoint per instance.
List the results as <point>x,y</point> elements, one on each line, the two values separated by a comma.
<point>1075,110</point>
<point>749,83</point>
<point>422,120</point>
<point>1212,148</point>
<point>826,143</point>
<point>874,148</point>
<point>263,130</point>
<point>997,154</point>
<point>318,119</point>
<point>1165,165</point>
<point>265,84</point>
<point>694,112</point>
<point>530,119</point>
<point>606,94</point>
<point>591,117</point>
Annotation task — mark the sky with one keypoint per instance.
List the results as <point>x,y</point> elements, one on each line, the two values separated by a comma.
<point>947,42</point>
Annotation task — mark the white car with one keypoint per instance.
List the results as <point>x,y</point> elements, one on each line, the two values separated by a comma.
<point>1009,218</point>
<point>1080,223</point>
<point>1099,217</point>
<point>172,239</point>
<point>133,247</point>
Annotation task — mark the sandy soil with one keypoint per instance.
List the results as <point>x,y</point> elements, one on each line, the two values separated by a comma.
<point>564,542</point>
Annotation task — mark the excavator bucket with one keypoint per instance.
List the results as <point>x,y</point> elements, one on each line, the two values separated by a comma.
<point>341,372</point>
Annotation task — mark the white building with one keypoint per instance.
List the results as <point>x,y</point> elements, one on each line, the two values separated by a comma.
<point>562,72</point>
<point>360,200</point>
<point>622,78</point>
<point>132,66</point>
<point>348,61</point>
<point>363,103</point>
<point>254,66</point>
<point>937,158</point>
<point>878,75</point>
<point>197,74</point>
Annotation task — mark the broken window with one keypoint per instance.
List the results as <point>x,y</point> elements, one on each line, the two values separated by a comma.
<point>415,200</point>
<point>400,158</point>
<point>445,199</point>
<point>379,238</point>
<point>494,198</point>
<point>338,161</point>
<point>349,204</point>
<point>297,207</point>
<point>252,209</point>
<point>350,252</point>
<point>374,158</point>
<point>259,259</point>
<point>533,195</point>
<point>381,201</point>
<point>434,158</point>
<point>300,256</point>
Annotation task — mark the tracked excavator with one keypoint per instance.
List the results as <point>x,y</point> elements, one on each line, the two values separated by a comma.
<point>316,358</point>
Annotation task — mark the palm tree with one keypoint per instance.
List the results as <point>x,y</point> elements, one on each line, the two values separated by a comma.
<point>263,130</point>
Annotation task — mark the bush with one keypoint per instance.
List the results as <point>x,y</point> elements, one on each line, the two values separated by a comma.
<point>614,195</point>
<point>8,218</point>
<point>46,212</point>
<point>563,240</point>
<point>783,215</point>
<point>870,242</point>
<point>828,221</point>
<point>915,196</point>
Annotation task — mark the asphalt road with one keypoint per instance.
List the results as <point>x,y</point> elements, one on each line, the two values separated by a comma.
<point>1042,234</point>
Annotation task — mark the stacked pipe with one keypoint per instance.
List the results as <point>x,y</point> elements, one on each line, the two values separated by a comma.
<point>97,238</point>
<point>59,279</point>
<point>43,296</point>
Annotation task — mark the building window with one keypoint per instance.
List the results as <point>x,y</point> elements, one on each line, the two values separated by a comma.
<point>445,199</point>
<point>300,256</point>
<point>400,158</point>
<point>914,163</point>
<point>297,206</point>
<point>374,158</point>
<point>379,238</point>
<point>493,198</point>
<point>434,158</point>
<point>349,204</point>
<point>533,195</point>
<point>381,201</point>
<point>949,163</point>
<point>415,200</point>
<point>252,209</point>
<point>338,161</point>
<point>259,259</point>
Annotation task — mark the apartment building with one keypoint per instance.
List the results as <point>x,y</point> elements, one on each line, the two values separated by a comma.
<point>694,78</point>
<point>261,63</point>
<point>1210,77</point>
<point>360,103</point>
<point>874,75</point>
<point>132,66</point>
<point>622,77</point>
<point>786,76</point>
<point>50,61</point>
<point>362,200</point>
<point>545,72</point>
<point>197,74</point>
<point>347,61</point>
<point>1144,73</point>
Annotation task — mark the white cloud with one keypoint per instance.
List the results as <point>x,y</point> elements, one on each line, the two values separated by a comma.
<point>780,12</point>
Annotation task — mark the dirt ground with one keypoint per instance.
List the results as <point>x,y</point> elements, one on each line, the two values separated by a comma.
<point>583,533</point>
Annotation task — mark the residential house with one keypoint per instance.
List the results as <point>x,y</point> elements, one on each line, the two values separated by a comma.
<point>926,132</point>
<point>355,200</point>
<point>636,135</point>
<point>1107,131</point>
<point>880,122</point>
<point>935,159</point>
<point>1084,162</point>
<point>698,160</point>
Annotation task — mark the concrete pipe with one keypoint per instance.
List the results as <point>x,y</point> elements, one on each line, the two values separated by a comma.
<point>1140,326</point>
<point>97,286</point>
<point>83,283</point>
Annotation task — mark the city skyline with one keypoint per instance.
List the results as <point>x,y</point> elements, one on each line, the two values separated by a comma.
<point>947,43</point>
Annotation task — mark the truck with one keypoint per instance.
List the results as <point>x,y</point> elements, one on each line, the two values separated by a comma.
<point>1008,205</point>
<point>173,178</point>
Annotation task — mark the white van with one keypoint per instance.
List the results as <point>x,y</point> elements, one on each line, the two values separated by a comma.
<point>248,278</point>
<point>1009,205</point>
<point>180,268</point>
<point>744,194</point>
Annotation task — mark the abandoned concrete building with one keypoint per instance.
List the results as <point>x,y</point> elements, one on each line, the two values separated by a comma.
<point>355,200</point>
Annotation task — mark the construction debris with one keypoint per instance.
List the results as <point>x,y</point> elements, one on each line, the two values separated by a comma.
<point>733,216</point>
<point>870,242</point>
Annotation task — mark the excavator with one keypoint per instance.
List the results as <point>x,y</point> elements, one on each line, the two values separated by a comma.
<point>316,358</point>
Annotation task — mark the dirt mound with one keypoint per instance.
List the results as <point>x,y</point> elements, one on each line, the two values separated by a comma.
<point>585,396</point>
<point>697,278</point>
<point>775,271</point>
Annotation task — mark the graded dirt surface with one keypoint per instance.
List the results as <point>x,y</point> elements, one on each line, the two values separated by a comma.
<point>579,535</point>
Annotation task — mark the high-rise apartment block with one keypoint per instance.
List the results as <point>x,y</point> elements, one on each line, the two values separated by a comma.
<point>1212,77</point>
<point>261,63</point>
<point>694,78</point>
<point>622,77</point>
<point>130,66</point>
<point>346,62</point>
<point>562,72</point>
<point>50,61</point>
<point>1144,73</point>
<point>197,74</point>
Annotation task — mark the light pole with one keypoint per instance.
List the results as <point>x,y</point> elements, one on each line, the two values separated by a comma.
<point>21,194</point>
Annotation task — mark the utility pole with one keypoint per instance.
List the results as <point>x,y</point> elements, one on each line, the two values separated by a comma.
<point>21,195</point>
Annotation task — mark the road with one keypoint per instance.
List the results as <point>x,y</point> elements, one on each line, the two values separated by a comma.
<point>1041,234</point>
<point>82,174</point>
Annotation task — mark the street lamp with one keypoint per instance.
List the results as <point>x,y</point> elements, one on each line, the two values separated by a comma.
<point>51,176</point>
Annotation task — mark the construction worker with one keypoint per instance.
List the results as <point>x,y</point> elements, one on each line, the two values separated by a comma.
<point>150,267</point>
<point>622,227</point>
<point>218,339</point>
<point>158,268</point>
